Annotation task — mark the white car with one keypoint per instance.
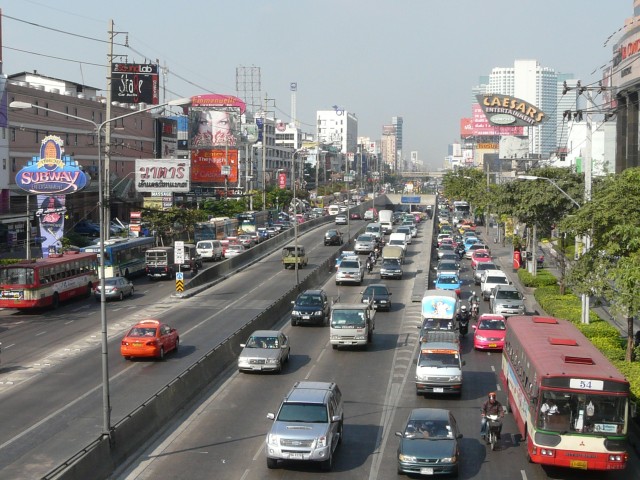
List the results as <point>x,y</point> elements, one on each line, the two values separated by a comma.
<point>341,219</point>
<point>265,350</point>
<point>491,278</point>
<point>234,251</point>
<point>350,270</point>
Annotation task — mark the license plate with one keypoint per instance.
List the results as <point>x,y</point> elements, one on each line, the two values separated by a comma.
<point>581,464</point>
<point>493,345</point>
<point>296,456</point>
<point>136,344</point>
<point>438,390</point>
<point>306,317</point>
<point>256,367</point>
<point>426,471</point>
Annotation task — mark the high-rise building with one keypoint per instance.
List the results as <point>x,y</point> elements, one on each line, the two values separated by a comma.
<point>338,129</point>
<point>535,84</point>
<point>397,123</point>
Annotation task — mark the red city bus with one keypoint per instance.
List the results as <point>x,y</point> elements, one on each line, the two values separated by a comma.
<point>571,404</point>
<point>48,281</point>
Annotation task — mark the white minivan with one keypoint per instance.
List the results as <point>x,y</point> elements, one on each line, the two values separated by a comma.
<point>209,249</point>
<point>398,239</point>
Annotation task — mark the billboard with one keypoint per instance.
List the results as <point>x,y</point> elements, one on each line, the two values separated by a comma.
<point>50,213</point>
<point>166,138</point>
<point>52,172</point>
<point>164,174</point>
<point>214,128</point>
<point>282,180</point>
<point>504,110</point>
<point>206,165</point>
<point>466,127</point>
<point>482,127</point>
<point>514,147</point>
<point>135,83</point>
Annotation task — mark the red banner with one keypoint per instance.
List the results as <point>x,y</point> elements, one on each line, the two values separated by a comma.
<point>206,165</point>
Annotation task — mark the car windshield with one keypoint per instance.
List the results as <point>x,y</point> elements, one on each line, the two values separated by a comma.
<point>437,324</point>
<point>487,266</point>
<point>390,262</point>
<point>433,359</point>
<point>376,290</point>
<point>447,280</point>
<point>500,280</point>
<point>262,342</point>
<point>508,295</point>
<point>481,255</point>
<point>309,300</point>
<point>492,325</point>
<point>365,238</point>
<point>303,412</point>
<point>347,318</point>
<point>349,264</point>
<point>432,429</point>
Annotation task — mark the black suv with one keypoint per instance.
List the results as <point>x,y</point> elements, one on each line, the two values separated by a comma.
<point>333,237</point>
<point>311,306</point>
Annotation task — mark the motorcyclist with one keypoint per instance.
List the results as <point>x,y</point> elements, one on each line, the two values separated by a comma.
<point>463,317</point>
<point>491,407</point>
<point>460,250</point>
<point>474,304</point>
<point>369,264</point>
<point>373,256</point>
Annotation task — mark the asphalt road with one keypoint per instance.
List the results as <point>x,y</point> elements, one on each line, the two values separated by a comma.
<point>51,376</point>
<point>224,435</point>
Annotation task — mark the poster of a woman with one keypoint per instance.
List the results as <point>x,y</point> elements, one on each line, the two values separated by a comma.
<point>213,128</point>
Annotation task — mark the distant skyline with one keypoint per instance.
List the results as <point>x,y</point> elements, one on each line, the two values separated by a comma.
<point>415,59</point>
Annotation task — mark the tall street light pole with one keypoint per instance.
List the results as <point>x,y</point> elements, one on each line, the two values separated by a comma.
<point>584,299</point>
<point>106,405</point>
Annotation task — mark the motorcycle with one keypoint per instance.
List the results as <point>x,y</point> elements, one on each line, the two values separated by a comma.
<point>463,322</point>
<point>475,307</point>
<point>460,251</point>
<point>369,265</point>
<point>494,425</point>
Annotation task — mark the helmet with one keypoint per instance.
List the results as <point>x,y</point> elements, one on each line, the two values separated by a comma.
<point>492,395</point>
<point>463,308</point>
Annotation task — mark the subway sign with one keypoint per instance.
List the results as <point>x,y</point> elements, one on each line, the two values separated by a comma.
<point>52,172</point>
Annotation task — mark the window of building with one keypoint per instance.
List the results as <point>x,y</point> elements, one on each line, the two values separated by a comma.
<point>37,135</point>
<point>13,164</point>
<point>4,163</point>
<point>75,111</point>
<point>13,134</point>
<point>36,111</point>
<point>66,110</point>
<point>75,139</point>
<point>46,112</point>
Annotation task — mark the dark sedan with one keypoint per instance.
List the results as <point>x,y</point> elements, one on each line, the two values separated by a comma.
<point>429,443</point>
<point>333,237</point>
<point>311,306</point>
<point>379,294</point>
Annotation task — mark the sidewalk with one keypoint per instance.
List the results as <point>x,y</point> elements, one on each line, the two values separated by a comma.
<point>504,258</point>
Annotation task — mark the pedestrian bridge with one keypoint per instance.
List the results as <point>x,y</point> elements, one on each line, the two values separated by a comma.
<point>422,174</point>
<point>423,199</point>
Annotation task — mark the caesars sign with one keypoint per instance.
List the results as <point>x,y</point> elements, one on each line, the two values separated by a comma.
<point>510,111</point>
<point>214,137</point>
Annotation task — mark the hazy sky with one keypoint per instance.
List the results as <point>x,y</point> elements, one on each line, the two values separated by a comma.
<point>417,59</point>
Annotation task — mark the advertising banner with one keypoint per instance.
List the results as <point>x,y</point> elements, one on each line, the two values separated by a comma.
<point>214,128</point>
<point>282,180</point>
<point>206,165</point>
<point>163,174</point>
<point>135,83</point>
<point>52,172</point>
<point>504,110</point>
<point>50,214</point>
<point>482,127</point>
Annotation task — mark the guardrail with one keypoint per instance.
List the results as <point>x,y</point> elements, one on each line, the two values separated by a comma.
<point>104,455</point>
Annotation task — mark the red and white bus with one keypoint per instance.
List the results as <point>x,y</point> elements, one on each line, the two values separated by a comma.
<point>549,366</point>
<point>48,281</point>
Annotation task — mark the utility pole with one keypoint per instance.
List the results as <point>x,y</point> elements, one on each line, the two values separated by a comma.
<point>107,141</point>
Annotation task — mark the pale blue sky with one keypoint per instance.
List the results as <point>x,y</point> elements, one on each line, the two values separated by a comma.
<point>417,59</point>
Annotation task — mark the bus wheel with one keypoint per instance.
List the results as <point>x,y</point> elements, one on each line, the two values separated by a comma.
<point>55,303</point>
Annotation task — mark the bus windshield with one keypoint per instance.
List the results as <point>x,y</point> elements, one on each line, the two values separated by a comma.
<point>17,276</point>
<point>595,414</point>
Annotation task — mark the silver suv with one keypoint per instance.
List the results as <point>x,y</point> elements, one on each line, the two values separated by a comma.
<point>506,300</point>
<point>308,425</point>
<point>350,270</point>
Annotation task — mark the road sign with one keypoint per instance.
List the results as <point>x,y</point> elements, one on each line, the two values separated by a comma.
<point>179,252</point>
<point>180,276</point>
<point>348,178</point>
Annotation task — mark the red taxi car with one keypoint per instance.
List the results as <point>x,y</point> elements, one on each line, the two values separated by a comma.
<point>489,332</point>
<point>149,338</point>
<point>480,256</point>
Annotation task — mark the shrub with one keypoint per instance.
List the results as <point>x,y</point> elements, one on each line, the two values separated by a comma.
<point>542,279</point>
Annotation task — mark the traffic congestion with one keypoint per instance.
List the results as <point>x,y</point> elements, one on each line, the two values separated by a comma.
<point>370,338</point>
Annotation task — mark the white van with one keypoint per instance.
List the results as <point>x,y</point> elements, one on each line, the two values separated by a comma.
<point>439,367</point>
<point>374,229</point>
<point>399,240</point>
<point>209,249</point>
<point>333,209</point>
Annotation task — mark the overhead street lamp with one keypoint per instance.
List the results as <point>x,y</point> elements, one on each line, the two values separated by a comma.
<point>584,316</point>
<point>106,406</point>
<point>295,212</point>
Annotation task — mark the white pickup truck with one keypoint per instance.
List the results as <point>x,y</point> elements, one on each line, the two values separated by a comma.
<point>491,278</point>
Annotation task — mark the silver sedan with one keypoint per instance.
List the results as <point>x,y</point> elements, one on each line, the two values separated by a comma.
<point>265,350</point>
<point>115,288</point>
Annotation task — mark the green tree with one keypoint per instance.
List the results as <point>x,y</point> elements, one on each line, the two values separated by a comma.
<point>611,268</point>
<point>174,223</point>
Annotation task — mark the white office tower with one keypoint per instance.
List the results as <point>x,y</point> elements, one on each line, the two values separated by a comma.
<point>538,85</point>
